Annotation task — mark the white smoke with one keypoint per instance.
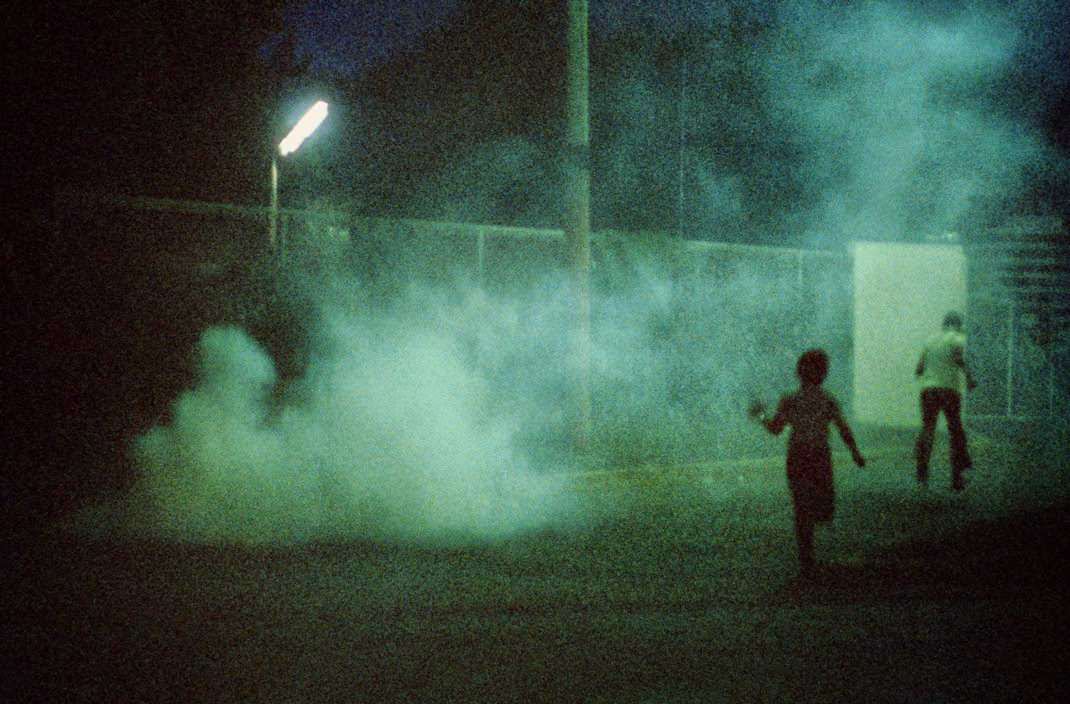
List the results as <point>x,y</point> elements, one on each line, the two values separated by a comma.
<point>893,112</point>
<point>386,435</point>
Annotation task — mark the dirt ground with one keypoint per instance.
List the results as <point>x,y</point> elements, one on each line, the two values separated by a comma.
<point>680,587</point>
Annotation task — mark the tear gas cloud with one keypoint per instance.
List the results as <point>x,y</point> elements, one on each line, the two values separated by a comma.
<point>891,111</point>
<point>386,434</point>
<point>812,123</point>
<point>788,123</point>
<point>438,414</point>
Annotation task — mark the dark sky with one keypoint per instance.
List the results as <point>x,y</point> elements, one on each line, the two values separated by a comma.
<point>184,99</point>
<point>347,39</point>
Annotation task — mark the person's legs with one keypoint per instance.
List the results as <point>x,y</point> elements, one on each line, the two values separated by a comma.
<point>923,448</point>
<point>959,453</point>
<point>804,539</point>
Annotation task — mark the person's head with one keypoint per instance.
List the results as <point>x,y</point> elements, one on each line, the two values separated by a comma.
<point>812,367</point>
<point>953,321</point>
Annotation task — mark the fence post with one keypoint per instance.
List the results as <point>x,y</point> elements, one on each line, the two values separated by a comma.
<point>481,243</point>
<point>1050,356</point>
<point>1010,358</point>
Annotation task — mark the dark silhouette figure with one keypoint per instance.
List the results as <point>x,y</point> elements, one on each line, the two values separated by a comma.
<point>941,370</point>
<point>809,463</point>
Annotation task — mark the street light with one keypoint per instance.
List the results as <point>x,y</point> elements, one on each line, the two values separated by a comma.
<point>308,123</point>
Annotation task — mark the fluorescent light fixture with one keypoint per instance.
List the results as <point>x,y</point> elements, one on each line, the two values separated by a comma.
<point>304,127</point>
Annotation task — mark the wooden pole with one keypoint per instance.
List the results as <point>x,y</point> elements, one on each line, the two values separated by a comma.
<point>578,214</point>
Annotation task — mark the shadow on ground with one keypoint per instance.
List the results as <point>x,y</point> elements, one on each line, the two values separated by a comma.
<point>1020,554</point>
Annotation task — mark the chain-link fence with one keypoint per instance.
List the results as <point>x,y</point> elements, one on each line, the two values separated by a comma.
<point>684,333</point>
<point>1019,323</point>
<point>1022,366</point>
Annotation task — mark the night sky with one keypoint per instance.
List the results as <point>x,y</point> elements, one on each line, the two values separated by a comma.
<point>787,123</point>
<point>184,99</point>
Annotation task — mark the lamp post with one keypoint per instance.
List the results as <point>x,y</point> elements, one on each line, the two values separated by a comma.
<point>308,123</point>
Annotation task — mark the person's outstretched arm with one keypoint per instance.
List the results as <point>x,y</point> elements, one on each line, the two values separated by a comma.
<point>847,436</point>
<point>775,423</point>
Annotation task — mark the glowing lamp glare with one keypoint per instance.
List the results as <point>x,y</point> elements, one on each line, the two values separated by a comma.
<point>304,127</point>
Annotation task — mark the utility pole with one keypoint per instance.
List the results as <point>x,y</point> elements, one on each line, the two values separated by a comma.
<point>682,148</point>
<point>578,214</point>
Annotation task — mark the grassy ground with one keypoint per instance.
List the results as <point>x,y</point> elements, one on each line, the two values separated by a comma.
<point>680,588</point>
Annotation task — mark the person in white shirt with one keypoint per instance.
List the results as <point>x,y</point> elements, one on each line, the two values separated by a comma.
<point>941,372</point>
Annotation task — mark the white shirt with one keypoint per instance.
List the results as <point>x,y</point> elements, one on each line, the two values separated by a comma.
<point>938,357</point>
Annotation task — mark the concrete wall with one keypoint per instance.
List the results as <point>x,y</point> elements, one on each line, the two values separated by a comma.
<point>901,293</point>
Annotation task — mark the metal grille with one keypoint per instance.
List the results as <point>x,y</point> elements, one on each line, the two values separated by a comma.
<point>1019,289</point>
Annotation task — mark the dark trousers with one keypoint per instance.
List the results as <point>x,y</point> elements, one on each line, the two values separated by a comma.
<point>933,401</point>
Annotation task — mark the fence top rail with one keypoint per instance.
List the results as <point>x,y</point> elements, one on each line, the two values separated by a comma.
<point>707,245</point>
<point>78,199</point>
<point>452,227</point>
<point>1027,226</point>
<point>1012,249</point>
<point>86,199</point>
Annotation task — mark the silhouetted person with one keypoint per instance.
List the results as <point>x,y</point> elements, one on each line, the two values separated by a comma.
<point>809,463</point>
<point>941,370</point>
